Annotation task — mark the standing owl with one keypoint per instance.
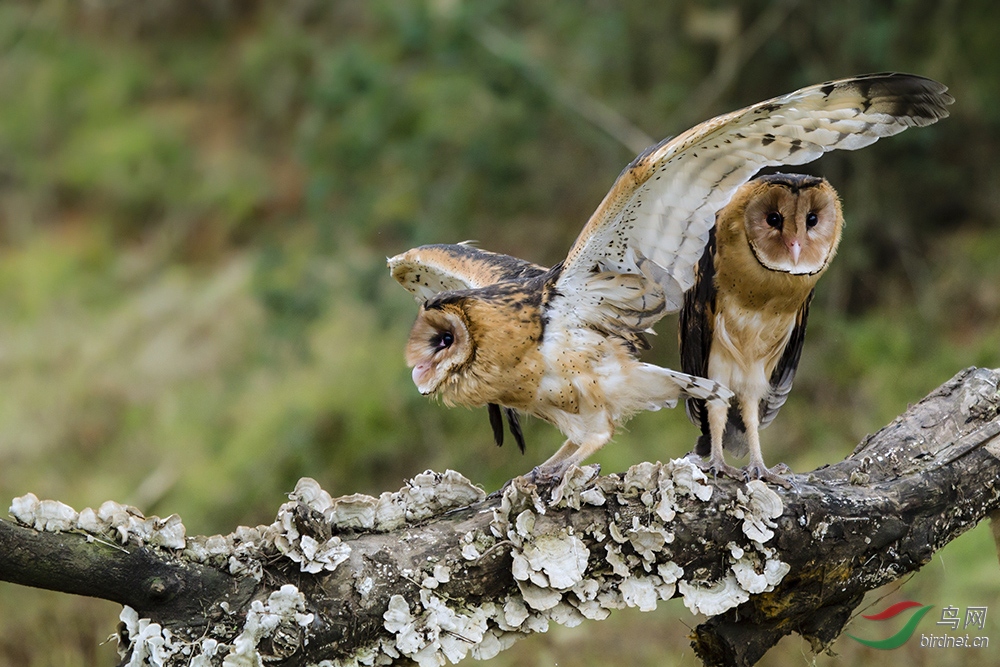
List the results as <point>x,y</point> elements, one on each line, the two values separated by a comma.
<point>562,344</point>
<point>744,320</point>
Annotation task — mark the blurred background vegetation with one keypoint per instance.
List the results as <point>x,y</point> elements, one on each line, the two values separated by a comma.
<point>197,197</point>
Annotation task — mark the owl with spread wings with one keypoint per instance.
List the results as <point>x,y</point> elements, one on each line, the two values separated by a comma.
<point>562,344</point>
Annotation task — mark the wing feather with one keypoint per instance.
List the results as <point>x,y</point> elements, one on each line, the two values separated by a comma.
<point>655,221</point>
<point>430,269</point>
<point>496,423</point>
<point>696,326</point>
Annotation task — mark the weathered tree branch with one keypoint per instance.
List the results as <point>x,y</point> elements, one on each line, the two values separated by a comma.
<point>437,571</point>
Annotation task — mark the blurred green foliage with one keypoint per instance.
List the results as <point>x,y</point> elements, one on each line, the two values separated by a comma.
<point>197,196</point>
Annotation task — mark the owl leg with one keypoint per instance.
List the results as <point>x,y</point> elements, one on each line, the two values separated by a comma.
<point>570,454</point>
<point>567,450</point>
<point>718,414</point>
<point>755,466</point>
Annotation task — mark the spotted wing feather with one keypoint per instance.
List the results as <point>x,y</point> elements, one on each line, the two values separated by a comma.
<point>431,269</point>
<point>656,219</point>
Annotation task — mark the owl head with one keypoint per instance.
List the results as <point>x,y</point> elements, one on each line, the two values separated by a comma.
<point>792,221</point>
<point>440,344</point>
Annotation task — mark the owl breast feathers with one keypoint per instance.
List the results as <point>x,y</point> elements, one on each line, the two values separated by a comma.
<point>562,343</point>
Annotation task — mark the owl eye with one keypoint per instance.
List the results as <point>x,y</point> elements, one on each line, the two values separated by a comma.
<point>811,219</point>
<point>442,340</point>
<point>775,219</point>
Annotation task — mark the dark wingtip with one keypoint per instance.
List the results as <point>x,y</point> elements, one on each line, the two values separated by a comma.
<point>513,420</point>
<point>496,423</point>
<point>515,427</point>
<point>923,100</point>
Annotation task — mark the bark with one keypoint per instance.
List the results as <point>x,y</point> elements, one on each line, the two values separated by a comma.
<point>438,571</point>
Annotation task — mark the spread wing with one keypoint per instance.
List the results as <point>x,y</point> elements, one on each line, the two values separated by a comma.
<point>430,269</point>
<point>654,223</point>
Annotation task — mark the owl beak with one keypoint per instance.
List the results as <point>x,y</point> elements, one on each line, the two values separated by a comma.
<point>794,249</point>
<point>423,378</point>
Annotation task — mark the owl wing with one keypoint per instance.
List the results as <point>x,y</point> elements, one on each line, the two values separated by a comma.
<point>696,327</point>
<point>430,269</point>
<point>655,221</point>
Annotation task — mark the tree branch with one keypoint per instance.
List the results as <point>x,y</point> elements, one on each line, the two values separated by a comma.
<point>140,577</point>
<point>437,571</point>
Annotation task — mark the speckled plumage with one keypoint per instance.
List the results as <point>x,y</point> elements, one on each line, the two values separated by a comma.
<point>562,343</point>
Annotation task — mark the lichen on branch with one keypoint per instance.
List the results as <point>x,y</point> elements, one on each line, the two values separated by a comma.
<point>439,571</point>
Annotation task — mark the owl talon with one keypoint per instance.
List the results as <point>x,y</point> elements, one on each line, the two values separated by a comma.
<point>718,467</point>
<point>539,478</point>
<point>773,475</point>
<point>545,477</point>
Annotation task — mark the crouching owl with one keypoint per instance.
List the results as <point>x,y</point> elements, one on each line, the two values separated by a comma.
<point>562,344</point>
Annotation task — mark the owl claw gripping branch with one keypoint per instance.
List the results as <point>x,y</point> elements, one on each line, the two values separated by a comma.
<point>562,344</point>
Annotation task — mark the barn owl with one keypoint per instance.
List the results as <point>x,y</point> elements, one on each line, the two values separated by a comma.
<point>562,343</point>
<point>744,320</point>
